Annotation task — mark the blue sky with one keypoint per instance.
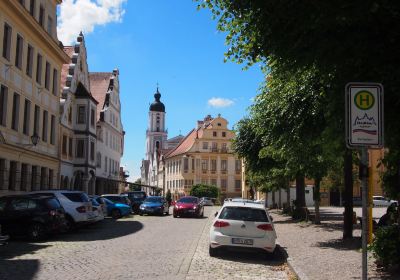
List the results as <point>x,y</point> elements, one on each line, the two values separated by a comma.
<point>171,43</point>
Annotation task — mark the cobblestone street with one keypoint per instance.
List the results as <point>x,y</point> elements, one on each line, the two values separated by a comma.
<point>148,247</point>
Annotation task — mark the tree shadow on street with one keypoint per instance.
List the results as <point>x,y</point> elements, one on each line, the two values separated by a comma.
<point>242,255</point>
<point>18,269</point>
<point>341,244</point>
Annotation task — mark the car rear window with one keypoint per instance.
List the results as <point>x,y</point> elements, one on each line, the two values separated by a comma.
<point>153,199</point>
<point>188,200</point>
<point>243,214</point>
<point>53,203</point>
<point>116,198</point>
<point>77,197</point>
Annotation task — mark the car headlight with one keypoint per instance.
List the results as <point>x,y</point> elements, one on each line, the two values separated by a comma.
<point>141,206</point>
<point>194,207</point>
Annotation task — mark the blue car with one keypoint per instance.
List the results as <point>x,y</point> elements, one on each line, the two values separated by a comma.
<point>117,210</point>
<point>154,205</point>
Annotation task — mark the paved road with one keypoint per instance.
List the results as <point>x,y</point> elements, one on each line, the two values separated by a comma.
<point>148,247</point>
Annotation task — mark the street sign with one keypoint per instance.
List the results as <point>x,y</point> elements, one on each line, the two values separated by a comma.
<point>364,115</point>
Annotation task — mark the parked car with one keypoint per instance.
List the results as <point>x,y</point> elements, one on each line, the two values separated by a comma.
<point>97,210</point>
<point>239,224</point>
<point>137,198</point>
<point>357,201</point>
<point>77,206</point>
<point>381,201</point>
<point>3,238</point>
<point>119,198</point>
<point>117,210</point>
<point>31,215</point>
<point>154,205</point>
<point>100,200</point>
<point>188,206</point>
<point>207,201</point>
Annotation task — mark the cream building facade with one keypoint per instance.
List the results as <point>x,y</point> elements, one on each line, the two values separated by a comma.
<point>30,65</point>
<point>204,156</point>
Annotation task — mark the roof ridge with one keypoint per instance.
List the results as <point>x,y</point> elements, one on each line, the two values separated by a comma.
<point>180,143</point>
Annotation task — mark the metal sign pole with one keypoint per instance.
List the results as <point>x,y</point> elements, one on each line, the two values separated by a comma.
<point>364,185</point>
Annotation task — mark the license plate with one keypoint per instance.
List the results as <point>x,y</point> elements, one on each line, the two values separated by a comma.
<point>242,241</point>
<point>191,211</point>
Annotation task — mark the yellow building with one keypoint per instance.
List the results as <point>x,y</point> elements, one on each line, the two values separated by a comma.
<point>204,156</point>
<point>30,65</point>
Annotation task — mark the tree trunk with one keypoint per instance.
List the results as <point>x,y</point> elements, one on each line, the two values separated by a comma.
<point>317,199</point>
<point>288,195</point>
<point>273,199</point>
<point>280,199</point>
<point>300,191</point>
<point>348,195</point>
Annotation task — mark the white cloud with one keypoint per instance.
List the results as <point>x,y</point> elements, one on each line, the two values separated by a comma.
<point>219,102</point>
<point>84,15</point>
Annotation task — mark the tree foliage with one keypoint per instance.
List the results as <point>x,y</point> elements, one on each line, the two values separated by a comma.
<point>202,190</point>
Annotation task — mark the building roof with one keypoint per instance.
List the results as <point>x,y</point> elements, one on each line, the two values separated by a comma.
<point>99,85</point>
<point>157,105</point>
<point>184,145</point>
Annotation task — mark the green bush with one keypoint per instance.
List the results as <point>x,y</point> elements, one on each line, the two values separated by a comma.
<point>386,245</point>
<point>202,190</point>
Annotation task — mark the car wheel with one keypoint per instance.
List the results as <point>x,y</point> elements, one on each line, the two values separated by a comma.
<point>116,214</point>
<point>174,215</point>
<point>202,213</point>
<point>69,224</point>
<point>36,232</point>
<point>140,213</point>
<point>167,212</point>
<point>213,252</point>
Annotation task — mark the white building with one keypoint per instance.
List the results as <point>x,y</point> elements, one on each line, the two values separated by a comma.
<point>110,134</point>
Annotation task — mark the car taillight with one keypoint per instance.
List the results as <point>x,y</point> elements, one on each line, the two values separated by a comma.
<point>52,213</point>
<point>220,224</point>
<point>266,227</point>
<point>81,209</point>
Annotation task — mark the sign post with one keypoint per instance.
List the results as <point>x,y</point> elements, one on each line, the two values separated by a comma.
<point>364,130</point>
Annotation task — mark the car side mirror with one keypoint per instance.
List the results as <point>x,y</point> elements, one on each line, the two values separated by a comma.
<point>216,213</point>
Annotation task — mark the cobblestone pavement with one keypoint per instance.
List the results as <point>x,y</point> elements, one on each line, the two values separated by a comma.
<point>148,247</point>
<point>233,265</point>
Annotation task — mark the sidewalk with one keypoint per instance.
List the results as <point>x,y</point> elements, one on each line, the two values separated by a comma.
<point>318,251</point>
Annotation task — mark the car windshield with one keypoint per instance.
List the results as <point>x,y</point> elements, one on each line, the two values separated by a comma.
<point>77,197</point>
<point>188,200</point>
<point>243,214</point>
<point>153,199</point>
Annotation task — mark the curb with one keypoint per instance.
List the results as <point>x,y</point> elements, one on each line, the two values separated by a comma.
<point>296,271</point>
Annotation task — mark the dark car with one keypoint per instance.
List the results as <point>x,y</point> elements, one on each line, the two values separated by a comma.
<point>188,206</point>
<point>154,205</point>
<point>137,198</point>
<point>31,215</point>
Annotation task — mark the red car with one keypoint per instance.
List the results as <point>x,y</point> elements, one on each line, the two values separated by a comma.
<point>188,206</point>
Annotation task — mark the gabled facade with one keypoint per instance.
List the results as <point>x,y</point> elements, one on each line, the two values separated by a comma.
<point>78,111</point>
<point>30,65</point>
<point>204,156</point>
<point>110,134</point>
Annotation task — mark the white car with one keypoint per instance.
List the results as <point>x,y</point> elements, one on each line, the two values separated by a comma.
<point>77,206</point>
<point>382,201</point>
<point>241,224</point>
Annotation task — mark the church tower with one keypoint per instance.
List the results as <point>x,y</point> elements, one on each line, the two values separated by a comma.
<point>156,135</point>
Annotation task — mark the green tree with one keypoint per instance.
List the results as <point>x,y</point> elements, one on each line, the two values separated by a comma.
<point>168,197</point>
<point>202,190</point>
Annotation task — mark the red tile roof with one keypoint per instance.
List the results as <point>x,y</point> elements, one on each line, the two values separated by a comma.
<point>99,84</point>
<point>184,145</point>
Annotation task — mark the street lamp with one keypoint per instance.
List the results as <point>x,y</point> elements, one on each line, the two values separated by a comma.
<point>35,139</point>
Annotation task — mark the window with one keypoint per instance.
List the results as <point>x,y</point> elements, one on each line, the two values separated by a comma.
<point>213,165</point>
<point>214,146</point>
<point>41,16</point>
<point>214,134</point>
<point>219,124</point>
<point>3,105</point>
<point>105,163</point>
<point>204,164</point>
<point>70,143</point>
<point>32,8</point>
<point>205,145</point>
<point>238,185</point>
<point>92,112</point>
<point>185,164</point>
<point>55,82</point>
<point>15,112</point>
<point>44,127</point>
<point>36,120</point>
<point>24,176</point>
<point>64,145</point>
<point>7,41</point>
<point>92,150</point>
<point>81,114</point>
<point>106,138</point>
<point>238,166</point>
<point>47,76</point>
<point>39,69</point>
<point>18,52</point>
<point>213,182</point>
<point>223,185</point>
<point>223,148</point>
<point>19,204</point>
<point>98,162</point>
<point>223,134</point>
<point>69,115</point>
<point>223,164</point>
<point>27,117</point>
<point>52,129</point>
<point>29,61</point>
<point>80,148</point>
<point>49,25</point>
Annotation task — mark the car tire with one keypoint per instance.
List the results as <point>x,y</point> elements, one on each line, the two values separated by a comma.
<point>115,214</point>
<point>175,215</point>
<point>69,224</point>
<point>36,232</point>
<point>213,252</point>
<point>167,212</point>
<point>140,213</point>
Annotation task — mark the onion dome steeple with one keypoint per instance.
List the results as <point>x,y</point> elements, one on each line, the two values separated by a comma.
<point>157,105</point>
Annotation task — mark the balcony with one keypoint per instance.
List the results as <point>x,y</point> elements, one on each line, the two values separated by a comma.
<point>223,171</point>
<point>214,150</point>
<point>224,150</point>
